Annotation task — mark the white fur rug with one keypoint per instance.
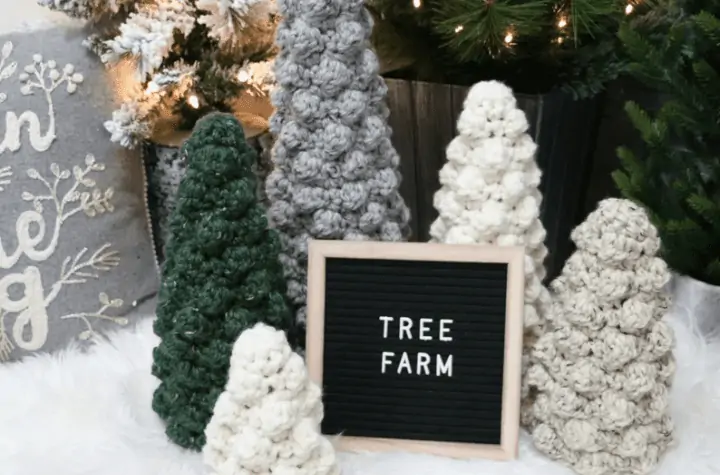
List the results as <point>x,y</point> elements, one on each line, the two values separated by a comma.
<point>89,414</point>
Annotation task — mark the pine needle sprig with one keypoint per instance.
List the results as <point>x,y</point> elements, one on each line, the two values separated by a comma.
<point>590,17</point>
<point>474,29</point>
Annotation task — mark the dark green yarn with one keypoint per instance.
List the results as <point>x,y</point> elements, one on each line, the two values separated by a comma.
<point>221,276</point>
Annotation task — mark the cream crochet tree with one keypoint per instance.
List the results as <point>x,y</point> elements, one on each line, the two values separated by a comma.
<point>489,188</point>
<point>267,420</point>
<point>603,369</point>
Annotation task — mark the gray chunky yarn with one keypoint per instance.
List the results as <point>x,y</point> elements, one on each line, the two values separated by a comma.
<point>335,170</point>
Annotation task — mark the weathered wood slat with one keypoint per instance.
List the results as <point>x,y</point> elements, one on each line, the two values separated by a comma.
<point>403,138</point>
<point>434,123</point>
<point>565,149</point>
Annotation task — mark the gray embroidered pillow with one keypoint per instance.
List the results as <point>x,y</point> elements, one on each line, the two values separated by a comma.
<point>76,257</point>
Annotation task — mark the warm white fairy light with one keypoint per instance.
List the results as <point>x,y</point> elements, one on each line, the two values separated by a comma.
<point>459,28</point>
<point>417,3</point>
<point>509,38</point>
<point>243,76</point>
<point>629,8</point>
<point>562,23</point>
<point>193,101</point>
<point>560,40</point>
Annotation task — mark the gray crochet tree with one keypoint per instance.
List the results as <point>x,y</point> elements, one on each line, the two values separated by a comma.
<point>336,173</point>
<point>602,371</point>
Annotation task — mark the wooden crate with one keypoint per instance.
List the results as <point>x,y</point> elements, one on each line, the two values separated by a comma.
<point>423,117</point>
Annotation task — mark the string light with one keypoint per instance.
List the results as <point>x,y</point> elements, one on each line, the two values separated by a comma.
<point>243,76</point>
<point>193,101</point>
<point>629,8</point>
<point>562,23</point>
<point>509,38</point>
<point>560,40</point>
<point>417,3</point>
<point>459,28</point>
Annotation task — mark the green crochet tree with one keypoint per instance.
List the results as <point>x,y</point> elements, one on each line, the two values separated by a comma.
<point>221,276</point>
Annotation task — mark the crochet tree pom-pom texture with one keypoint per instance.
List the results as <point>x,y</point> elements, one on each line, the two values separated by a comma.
<point>336,173</point>
<point>602,371</point>
<point>489,187</point>
<point>267,420</point>
<point>221,276</point>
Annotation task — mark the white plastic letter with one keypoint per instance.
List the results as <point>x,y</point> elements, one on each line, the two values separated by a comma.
<point>385,360</point>
<point>405,326</point>
<point>386,322</point>
<point>445,367</point>
<point>444,329</point>
<point>404,363</point>
<point>423,362</point>
<point>424,328</point>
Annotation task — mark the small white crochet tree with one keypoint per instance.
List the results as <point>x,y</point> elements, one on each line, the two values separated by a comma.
<point>489,188</point>
<point>267,420</point>
<point>602,371</point>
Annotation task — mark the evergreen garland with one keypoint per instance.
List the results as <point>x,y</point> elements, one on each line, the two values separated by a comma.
<point>221,276</point>
<point>532,45</point>
<point>677,176</point>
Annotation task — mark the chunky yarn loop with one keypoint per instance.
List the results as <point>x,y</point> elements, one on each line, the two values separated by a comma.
<point>602,371</point>
<point>267,419</point>
<point>221,276</point>
<point>335,169</point>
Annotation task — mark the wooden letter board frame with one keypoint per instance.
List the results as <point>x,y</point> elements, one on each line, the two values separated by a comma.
<point>320,250</point>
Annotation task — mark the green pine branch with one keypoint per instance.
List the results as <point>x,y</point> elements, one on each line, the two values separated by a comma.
<point>474,29</point>
<point>676,175</point>
<point>588,17</point>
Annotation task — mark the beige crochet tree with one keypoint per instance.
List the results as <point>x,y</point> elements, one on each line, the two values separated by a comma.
<point>602,371</point>
<point>268,418</point>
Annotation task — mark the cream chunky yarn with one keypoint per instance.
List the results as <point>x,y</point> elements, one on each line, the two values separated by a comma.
<point>603,369</point>
<point>489,187</point>
<point>336,173</point>
<point>267,419</point>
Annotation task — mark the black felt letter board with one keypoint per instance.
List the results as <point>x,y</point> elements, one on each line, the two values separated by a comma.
<point>414,349</point>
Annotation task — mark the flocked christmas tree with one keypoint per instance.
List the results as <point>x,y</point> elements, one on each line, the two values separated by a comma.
<point>602,371</point>
<point>676,176</point>
<point>489,189</point>
<point>221,276</point>
<point>186,58</point>
<point>267,421</point>
<point>335,170</point>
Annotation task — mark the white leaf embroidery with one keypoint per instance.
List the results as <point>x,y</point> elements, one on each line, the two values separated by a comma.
<point>7,49</point>
<point>8,71</point>
<point>31,328</point>
<point>85,335</point>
